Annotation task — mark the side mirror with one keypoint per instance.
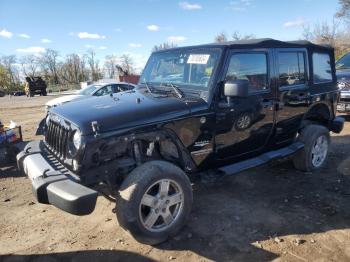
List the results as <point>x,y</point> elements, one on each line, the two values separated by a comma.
<point>236,88</point>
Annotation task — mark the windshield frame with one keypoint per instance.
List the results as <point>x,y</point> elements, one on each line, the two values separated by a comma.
<point>188,88</point>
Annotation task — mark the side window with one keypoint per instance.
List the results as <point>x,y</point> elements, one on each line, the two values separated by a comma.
<point>116,89</point>
<point>291,68</point>
<point>125,87</point>
<point>322,68</point>
<point>104,91</point>
<point>251,67</point>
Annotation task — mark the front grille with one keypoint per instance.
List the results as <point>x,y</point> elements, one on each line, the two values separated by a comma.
<point>345,99</point>
<point>346,85</point>
<point>57,138</point>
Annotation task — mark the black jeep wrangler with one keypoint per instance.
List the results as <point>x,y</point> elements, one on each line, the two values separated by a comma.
<point>230,106</point>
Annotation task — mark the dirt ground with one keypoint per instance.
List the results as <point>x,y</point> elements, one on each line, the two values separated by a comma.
<point>268,213</point>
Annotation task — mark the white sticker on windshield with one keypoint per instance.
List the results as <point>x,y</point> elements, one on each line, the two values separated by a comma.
<point>198,59</point>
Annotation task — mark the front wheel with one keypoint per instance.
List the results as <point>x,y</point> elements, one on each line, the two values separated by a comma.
<point>315,152</point>
<point>154,202</point>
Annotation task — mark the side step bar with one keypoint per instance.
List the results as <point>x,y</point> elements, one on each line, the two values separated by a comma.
<point>262,159</point>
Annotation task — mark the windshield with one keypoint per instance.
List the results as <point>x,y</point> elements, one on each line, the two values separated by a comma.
<point>88,90</point>
<point>344,62</point>
<point>190,70</point>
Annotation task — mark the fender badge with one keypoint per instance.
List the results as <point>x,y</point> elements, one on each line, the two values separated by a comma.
<point>202,120</point>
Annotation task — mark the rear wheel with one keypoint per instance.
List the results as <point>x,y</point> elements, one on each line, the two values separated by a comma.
<point>154,202</point>
<point>314,155</point>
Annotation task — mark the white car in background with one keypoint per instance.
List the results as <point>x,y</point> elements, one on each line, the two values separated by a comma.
<point>98,89</point>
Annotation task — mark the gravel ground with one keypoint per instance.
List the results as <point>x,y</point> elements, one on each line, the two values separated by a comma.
<point>268,213</point>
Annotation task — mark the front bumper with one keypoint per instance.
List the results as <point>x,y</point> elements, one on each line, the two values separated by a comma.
<point>343,105</point>
<point>52,183</point>
<point>337,124</point>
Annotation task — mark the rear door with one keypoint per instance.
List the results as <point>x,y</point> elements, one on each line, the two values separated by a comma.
<point>244,124</point>
<point>292,92</point>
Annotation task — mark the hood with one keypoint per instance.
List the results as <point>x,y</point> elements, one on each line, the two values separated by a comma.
<point>343,74</point>
<point>64,99</point>
<point>125,110</point>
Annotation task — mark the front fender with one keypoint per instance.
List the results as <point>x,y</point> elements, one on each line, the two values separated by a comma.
<point>41,127</point>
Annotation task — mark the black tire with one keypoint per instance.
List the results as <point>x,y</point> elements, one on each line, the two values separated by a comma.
<point>303,159</point>
<point>132,191</point>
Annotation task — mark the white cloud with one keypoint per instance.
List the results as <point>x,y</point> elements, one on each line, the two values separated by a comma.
<point>102,47</point>
<point>135,45</point>
<point>153,28</point>
<point>241,5</point>
<point>176,39</point>
<point>89,46</point>
<point>294,23</point>
<point>71,34</point>
<point>84,35</point>
<point>118,29</point>
<point>45,41</point>
<point>5,33</point>
<point>24,36</point>
<point>31,49</point>
<point>189,6</point>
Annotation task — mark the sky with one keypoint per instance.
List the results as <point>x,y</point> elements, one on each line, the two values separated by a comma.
<point>135,26</point>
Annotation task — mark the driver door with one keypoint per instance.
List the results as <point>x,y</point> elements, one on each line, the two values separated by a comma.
<point>244,124</point>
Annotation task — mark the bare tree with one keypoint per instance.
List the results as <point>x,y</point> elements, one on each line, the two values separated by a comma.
<point>93,64</point>
<point>72,69</point>
<point>163,46</point>
<point>221,37</point>
<point>329,34</point>
<point>238,36</point>
<point>126,66</point>
<point>49,62</point>
<point>111,62</point>
<point>344,11</point>
<point>30,65</point>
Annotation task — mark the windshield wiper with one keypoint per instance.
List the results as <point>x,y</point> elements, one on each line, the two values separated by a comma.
<point>176,89</point>
<point>148,88</point>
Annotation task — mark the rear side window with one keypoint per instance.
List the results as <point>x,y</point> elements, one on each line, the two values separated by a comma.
<point>291,68</point>
<point>251,67</point>
<point>322,68</point>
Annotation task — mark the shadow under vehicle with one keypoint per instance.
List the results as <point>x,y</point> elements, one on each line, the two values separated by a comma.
<point>231,106</point>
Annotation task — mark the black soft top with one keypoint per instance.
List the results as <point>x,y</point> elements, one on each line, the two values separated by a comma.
<point>265,43</point>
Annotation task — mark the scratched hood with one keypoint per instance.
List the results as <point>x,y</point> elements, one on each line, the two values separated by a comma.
<point>124,110</point>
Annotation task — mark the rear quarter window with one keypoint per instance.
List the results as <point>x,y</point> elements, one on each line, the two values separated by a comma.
<point>322,68</point>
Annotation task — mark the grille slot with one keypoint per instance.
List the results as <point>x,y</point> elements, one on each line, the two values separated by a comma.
<point>344,100</point>
<point>57,138</point>
<point>346,85</point>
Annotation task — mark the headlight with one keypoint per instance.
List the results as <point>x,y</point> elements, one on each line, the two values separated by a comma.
<point>341,85</point>
<point>77,139</point>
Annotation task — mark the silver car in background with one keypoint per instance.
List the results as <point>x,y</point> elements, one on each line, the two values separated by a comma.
<point>98,89</point>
